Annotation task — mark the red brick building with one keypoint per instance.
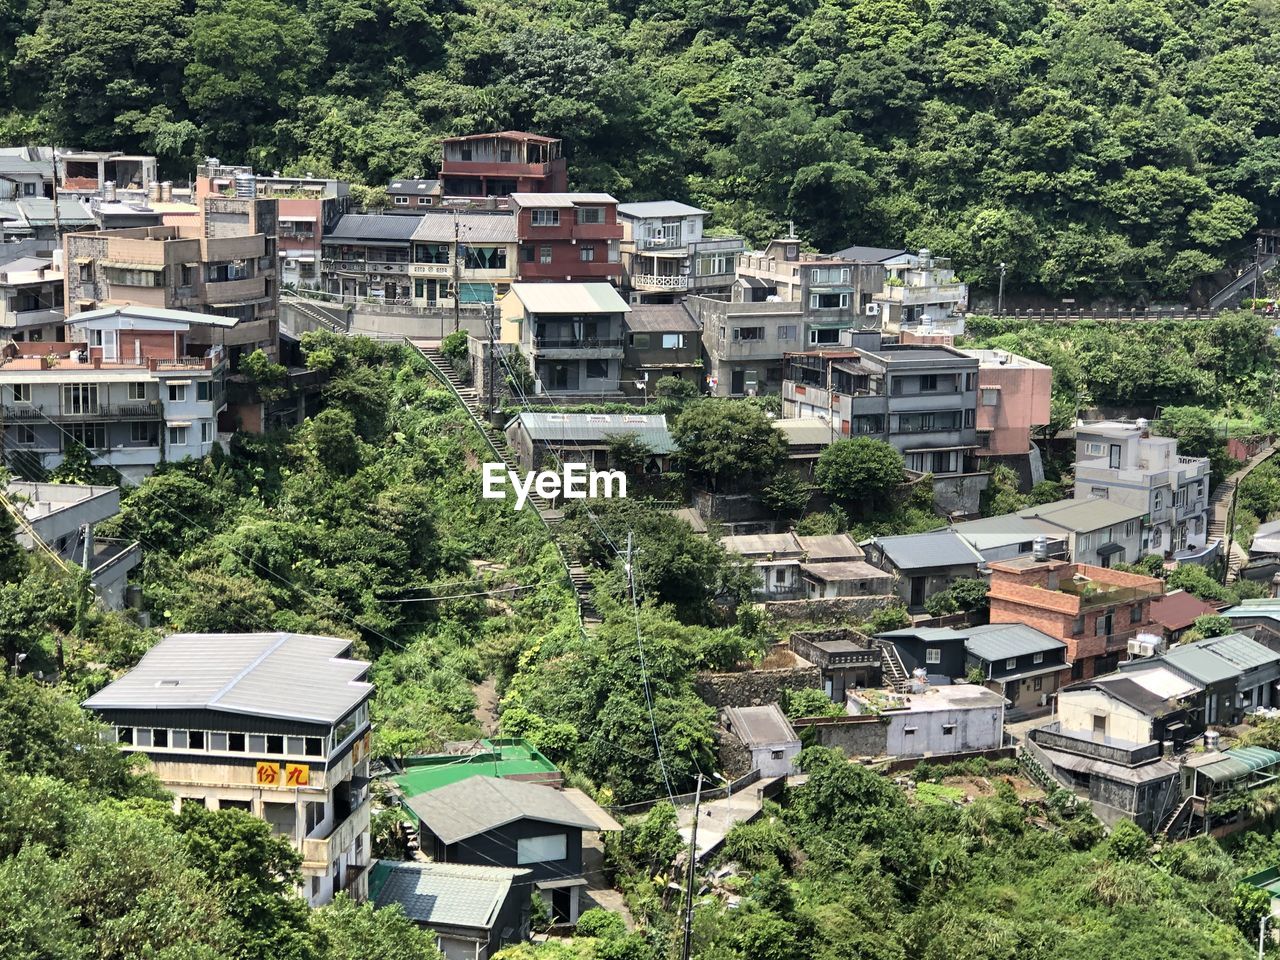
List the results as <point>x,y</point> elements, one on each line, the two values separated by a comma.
<point>568,237</point>
<point>498,164</point>
<point>1095,611</point>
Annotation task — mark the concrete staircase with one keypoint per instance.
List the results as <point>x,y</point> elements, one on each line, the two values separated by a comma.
<point>443,370</point>
<point>322,318</point>
<point>1243,282</point>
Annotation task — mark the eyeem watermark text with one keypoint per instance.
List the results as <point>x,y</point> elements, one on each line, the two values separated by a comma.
<point>574,482</point>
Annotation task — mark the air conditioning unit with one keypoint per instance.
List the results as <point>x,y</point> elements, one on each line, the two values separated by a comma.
<point>873,309</point>
<point>1145,645</point>
<point>376,278</point>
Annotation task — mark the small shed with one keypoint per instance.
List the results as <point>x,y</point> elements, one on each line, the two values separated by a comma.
<point>768,736</point>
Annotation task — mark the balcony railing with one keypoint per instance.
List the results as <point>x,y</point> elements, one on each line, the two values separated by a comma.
<point>136,410</point>
<point>667,244</point>
<point>582,343</point>
<point>659,281</point>
<point>366,266</point>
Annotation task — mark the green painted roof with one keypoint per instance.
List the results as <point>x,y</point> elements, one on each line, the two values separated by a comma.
<point>1268,880</point>
<point>1239,762</point>
<point>500,758</point>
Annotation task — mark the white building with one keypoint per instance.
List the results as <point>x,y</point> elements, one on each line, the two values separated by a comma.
<point>666,255</point>
<point>124,388</point>
<point>922,293</point>
<point>31,297</point>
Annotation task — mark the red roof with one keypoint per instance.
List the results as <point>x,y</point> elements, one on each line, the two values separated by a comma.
<point>1178,610</point>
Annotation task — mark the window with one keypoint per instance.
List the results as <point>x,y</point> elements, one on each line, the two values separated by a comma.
<point>257,743</point>
<point>787,331</point>
<point>824,335</point>
<point>159,738</point>
<point>135,278</point>
<point>990,398</point>
<point>776,754</point>
<point>541,849</point>
<point>909,731</point>
<point>597,369</point>
<point>206,431</point>
<point>1135,613</point>
<point>591,214</point>
<point>526,253</point>
<point>424,201</point>
<point>544,218</point>
<point>315,747</point>
<point>143,433</point>
<point>430,253</point>
<point>486,258</point>
<point>1037,683</point>
<point>586,252</point>
<point>124,735</point>
<point>1037,658</point>
<point>137,391</point>
<point>1077,626</point>
<point>177,393</point>
<point>1159,500</point>
<point>142,737</point>
<point>640,341</point>
<point>177,436</point>
<point>780,576</point>
<point>275,744</point>
<point>195,739</point>
<point>24,435</point>
<point>928,382</point>
<point>79,398</point>
<point>932,655</point>
<point>21,392</point>
<point>1011,663</point>
<point>714,264</point>
<point>401,201</point>
<point>464,152</point>
<point>828,301</point>
<point>544,254</point>
<point>968,418</point>
<point>1083,543</point>
<point>970,382</point>
<point>1156,537</point>
<point>295,746</point>
<point>748,333</point>
<point>204,390</point>
<point>91,435</point>
<point>504,153</point>
<point>178,739</point>
<point>672,341</point>
<point>948,729</point>
<point>1180,497</point>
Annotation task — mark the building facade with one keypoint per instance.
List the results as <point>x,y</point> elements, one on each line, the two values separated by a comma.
<point>470,255</point>
<point>665,254</point>
<point>366,256</point>
<point>31,298</point>
<point>275,724</point>
<point>500,164</point>
<point>571,335</point>
<point>568,237</point>
<point>921,294</point>
<point>663,340</point>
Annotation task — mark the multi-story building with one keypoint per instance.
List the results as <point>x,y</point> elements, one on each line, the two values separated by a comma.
<point>26,172</point>
<point>1013,399</point>
<point>571,237</point>
<point>823,286</point>
<point>62,517</point>
<point>1124,463</point>
<point>367,256</point>
<point>1093,610</point>
<point>570,333</point>
<point>126,389</point>
<point>309,207</point>
<point>412,195</point>
<point>471,255</point>
<point>224,265</point>
<point>663,340</point>
<point>665,254</point>
<point>744,343</point>
<point>921,294</point>
<point>275,724</point>
<point>499,164</point>
<point>31,292</point>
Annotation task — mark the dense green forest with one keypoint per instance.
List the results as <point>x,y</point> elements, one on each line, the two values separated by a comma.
<point>1118,148</point>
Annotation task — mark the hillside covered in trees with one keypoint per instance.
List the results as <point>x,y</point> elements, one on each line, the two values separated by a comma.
<point>1117,148</point>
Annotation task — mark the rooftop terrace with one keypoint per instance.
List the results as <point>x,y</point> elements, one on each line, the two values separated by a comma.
<point>503,758</point>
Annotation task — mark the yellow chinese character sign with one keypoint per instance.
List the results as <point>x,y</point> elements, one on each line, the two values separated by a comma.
<point>297,775</point>
<point>266,774</point>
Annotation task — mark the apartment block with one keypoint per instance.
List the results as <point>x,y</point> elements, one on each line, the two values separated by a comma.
<point>131,386</point>
<point>31,292</point>
<point>223,265</point>
<point>745,342</point>
<point>666,255</point>
<point>569,237</point>
<point>825,287</point>
<point>308,208</point>
<point>922,294</point>
<point>500,164</point>
<point>470,255</point>
<point>572,334</point>
<point>275,724</point>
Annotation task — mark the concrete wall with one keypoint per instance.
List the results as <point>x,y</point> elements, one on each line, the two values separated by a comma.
<point>755,688</point>
<point>922,733</point>
<point>828,610</point>
<point>1077,708</point>
<point>855,736</point>
<point>960,494</point>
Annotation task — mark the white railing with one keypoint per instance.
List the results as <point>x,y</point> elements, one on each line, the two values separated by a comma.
<point>659,281</point>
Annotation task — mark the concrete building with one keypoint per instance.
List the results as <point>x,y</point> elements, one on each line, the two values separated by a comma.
<point>26,172</point>
<point>923,564</point>
<point>542,441</point>
<point>131,387</point>
<point>953,718</point>
<point>571,335</point>
<point>466,254</point>
<point>31,297</point>
<point>1097,532</point>
<point>1093,610</point>
<point>569,237</point>
<point>744,343</point>
<point>1014,396</point>
<point>412,195</point>
<point>276,724</point>
<point>921,295</point>
<point>1124,463</point>
<point>89,172</point>
<point>309,208</point>
<point>767,735</point>
<point>665,254</point>
<point>792,567</point>
<point>846,658</point>
<point>62,517</point>
<point>500,164</point>
<point>663,340</point>
<point>224,265</point>
<point>367,255</point>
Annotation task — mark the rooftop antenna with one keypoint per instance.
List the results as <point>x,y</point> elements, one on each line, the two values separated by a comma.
<point>791,230</point>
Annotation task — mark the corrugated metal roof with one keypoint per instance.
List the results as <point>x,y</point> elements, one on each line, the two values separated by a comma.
<point>472,228</point>
<point>444,894</point>
<point>1201,664</point>
<point>413,186</point>
<point>805,431</point>
<point>1258,607</point>
<point>1239,650</point>
<point>991,533</point>
<point>569,298</point>
<point>869,254</point>
<point>841,571</point>
<point>1003,641</point>
<point>559,199</point>
<point>760,726</point>
<point>291,676</point>
<point>459,811</point>
<point>917,551</point>
<point>596,427</point>
<point>763,544</point>
<point>659,208</point>
<point>130,313</point>
<point>1084,515</point>
<point>660,318</point>
<point>927,634</point>
<point>1179,609</point>
<point>374,226</point>
<point>1240,762</point>
<point>831,546</point>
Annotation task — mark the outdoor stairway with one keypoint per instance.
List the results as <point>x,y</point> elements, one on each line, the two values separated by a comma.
<point>319,316</point>
<point>1245,280</point>
<point>1176,818</point>
<point>893,668</point>
<point>470,397</point>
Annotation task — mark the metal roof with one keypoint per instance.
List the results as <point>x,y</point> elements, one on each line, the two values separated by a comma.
<point>1256,607</point>
<point>991,533</point>
<point>395,227</point>
<point>410,185</point>
<point>659,208</point>
<point>1209,664</point>
<point>597,427</point>
<point>1239,762</point>
<point>1132,693</point>
<point>444,894</point>
<point>1003,641</point>
<point>842,571</point>
<point>752,544</point>
<point>660,318</point>
<point>559,199</point>
<point>569,298</point>
<point>805,431</point>
<point>459,811</point>
<point>927,634</point>
<point>1179,609</point>
<point>290,676</point>
<point>760,726</point>
<point>1239,650</point>
<point>472,227</point>
<point>131,313</point>
<point>1084,515</point>
<point>830,546</point>
<point>870,254</point>
<point>918,551</point>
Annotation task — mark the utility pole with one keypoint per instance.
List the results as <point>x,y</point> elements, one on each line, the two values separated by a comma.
<point>488,313</point>
<point>1262,929</point>
<point>457,270</point>
<point>1257,270</point>
<point>689,877</point>
<point>1000,295</point>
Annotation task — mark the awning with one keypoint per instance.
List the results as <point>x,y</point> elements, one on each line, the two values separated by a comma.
<point>178,383</point>
<point>132,265</point>
<point>965,446</point>
<point>296,219</point>
<point>1028,674</point>
<point>476,293</point>
<point>1110,549</point>
<point>241,303</point>
<point>560,884</point>
<point>177,423</point>
<point>1240,762</point>
<point>753,282</point>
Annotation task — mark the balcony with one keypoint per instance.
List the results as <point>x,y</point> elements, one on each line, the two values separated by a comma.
<point>585,348</point>
<point>1051,737</point>
<point>653,281</point>
<point>136,410</point>
<point>232,291</point>
<point>379,267</point>
<point>319,852</point>
<point>910,296</point>
<point>661,245</point>
<point>38,318</point>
